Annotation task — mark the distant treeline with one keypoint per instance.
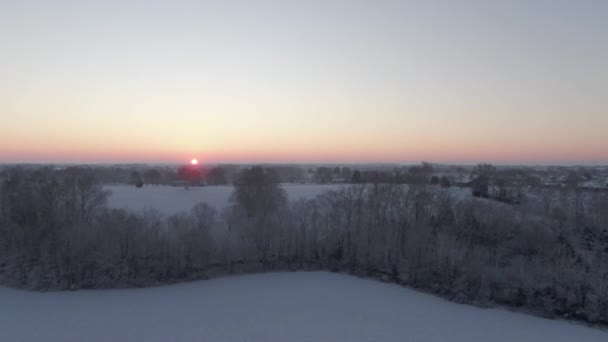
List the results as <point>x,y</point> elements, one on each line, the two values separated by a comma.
<point>502,183</point>
<point>547,255</point>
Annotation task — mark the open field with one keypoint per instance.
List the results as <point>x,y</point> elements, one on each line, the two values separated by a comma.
<point>300,306</point>
<point>169,199</point>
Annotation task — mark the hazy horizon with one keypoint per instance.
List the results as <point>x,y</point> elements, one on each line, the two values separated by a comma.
<point>306,164</point>
<point>510,83</point>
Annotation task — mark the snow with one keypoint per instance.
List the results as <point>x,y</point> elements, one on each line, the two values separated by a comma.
<point>170,199</point>
<point>300,306</point>
<point>596,183</point>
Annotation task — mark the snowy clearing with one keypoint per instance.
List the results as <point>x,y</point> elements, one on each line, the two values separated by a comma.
<point>170,199</point>
<point>300,306</point>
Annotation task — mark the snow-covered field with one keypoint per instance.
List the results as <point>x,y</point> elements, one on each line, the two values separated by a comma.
<point>169,199</point>
<point>301,306</point>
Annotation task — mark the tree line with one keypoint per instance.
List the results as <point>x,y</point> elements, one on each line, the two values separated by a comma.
<point>545,256</point>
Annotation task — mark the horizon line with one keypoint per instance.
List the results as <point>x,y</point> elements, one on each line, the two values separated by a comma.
<point>334,163</point>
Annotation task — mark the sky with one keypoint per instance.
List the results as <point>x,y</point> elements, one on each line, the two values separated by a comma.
<point>304,81</point>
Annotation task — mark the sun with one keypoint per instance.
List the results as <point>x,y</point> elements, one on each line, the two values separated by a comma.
<point>194,162</point>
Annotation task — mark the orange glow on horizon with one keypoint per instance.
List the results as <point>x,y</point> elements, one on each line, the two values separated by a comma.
<point>414,151</point>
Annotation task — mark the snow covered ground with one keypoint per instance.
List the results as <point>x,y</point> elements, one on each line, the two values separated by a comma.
<point>169,199</point>
<point>301,306</point>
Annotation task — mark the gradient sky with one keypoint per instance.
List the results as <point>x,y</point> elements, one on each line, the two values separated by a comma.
<point>304,81</point>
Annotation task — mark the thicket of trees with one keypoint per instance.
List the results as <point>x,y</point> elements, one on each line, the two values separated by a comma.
<point>547,256</point>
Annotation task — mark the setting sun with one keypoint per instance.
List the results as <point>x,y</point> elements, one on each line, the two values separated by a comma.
<point>194,162</point>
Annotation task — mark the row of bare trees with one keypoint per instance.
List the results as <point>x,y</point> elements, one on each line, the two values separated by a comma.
<point>56,232</point>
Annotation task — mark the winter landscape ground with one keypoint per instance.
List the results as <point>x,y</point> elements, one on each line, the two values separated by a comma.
<point>297,306</point>
<point>172,199</point>
<point>78,243</point>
